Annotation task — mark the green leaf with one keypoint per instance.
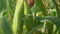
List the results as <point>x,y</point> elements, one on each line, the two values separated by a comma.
<point>57,9</point>
<point>35,29</point>
<point>5,27</point>
<point>49,27</point>
<point>41,6</point>
<point>18,18</point>
<point>55,20</point>
<point>9,10</point>
<point>26,8</point>
<point>29,22</point>
<point>34,25</point>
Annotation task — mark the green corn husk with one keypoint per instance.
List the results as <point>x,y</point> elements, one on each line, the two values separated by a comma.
<point>18,18</point>
<point>26,8</point>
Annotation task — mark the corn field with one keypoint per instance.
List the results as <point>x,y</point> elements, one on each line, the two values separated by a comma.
<point>29,16</point>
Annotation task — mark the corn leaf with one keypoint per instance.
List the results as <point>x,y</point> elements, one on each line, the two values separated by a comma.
<point>18,18</point>
<point>41,6</point>
<point>56,5</point>
<point>5,27</point>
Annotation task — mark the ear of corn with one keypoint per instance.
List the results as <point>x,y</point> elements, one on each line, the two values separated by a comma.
<point>18,18</point>
<point>26,6</point>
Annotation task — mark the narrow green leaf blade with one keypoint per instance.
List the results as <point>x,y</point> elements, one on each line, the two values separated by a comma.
<point>5,26</point>
<point>18,18</point>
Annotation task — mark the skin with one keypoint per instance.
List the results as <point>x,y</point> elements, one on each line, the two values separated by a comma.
<point>30,2</point>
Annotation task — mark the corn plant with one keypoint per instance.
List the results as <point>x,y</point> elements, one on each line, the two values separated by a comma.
<point>29,17</point>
